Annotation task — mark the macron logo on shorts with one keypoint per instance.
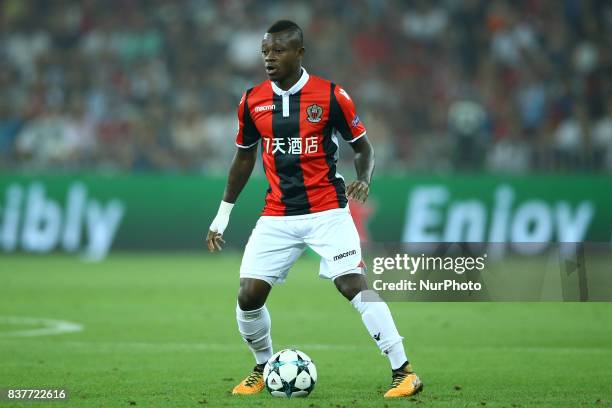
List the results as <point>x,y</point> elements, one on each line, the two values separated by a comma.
<point>344,255</point>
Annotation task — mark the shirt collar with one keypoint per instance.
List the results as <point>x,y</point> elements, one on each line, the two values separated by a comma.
<point>295,88</point>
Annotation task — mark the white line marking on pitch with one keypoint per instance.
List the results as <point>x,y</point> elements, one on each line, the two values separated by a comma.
<point>140,346</point>
<point>50,326</point>
<point>159,347</point>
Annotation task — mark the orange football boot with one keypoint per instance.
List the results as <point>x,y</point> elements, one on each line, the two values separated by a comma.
<point>405,383</point>
<point>252,384</point>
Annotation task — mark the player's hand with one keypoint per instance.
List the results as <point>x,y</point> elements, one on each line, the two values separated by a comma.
<point>214,241</point>
<point>358,190</point>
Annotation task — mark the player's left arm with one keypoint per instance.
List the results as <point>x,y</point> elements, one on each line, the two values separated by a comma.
<point>364,165</point>
<point>345,120</point>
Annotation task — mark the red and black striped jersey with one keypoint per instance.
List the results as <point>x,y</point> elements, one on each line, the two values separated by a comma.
<point>297,130</point>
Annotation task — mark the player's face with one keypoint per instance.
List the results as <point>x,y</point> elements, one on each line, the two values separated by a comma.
<point>282,55</point>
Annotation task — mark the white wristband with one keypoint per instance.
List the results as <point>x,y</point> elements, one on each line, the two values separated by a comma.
<point>222,219</point>
<point>225,208</point>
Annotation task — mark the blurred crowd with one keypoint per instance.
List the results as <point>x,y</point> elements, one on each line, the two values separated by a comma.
<point>470,85</point>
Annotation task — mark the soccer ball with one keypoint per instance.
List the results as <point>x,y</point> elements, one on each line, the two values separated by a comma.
<point>290,373</point>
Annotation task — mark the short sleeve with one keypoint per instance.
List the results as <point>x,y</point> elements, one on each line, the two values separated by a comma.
<point>344,116</point>
<point>248,135</point>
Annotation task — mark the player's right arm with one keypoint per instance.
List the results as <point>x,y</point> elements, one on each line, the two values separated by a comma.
<point>241,168</point>
<point>239,173</point>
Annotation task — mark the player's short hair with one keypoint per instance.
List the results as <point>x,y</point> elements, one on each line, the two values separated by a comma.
<point>287,25</point>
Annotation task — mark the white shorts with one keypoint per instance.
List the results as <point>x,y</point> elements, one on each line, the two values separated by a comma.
<point>277,242</point>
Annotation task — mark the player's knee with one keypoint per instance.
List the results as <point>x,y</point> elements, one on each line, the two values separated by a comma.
<point>252,294</point>
<point>247,301</point>
<point>350,285</point>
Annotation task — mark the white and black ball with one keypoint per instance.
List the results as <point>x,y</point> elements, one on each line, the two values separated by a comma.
<point>290,373</point>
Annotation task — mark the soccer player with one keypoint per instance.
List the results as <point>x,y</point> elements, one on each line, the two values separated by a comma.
<point>296,118</point>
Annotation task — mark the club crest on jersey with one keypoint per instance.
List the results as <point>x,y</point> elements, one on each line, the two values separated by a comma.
<point>314,112</point>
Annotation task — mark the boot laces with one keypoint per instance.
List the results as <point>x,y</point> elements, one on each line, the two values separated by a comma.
<point>398,378</point>
<point>252,379</point>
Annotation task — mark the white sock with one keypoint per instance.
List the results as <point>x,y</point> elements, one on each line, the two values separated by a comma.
<point>254,327</point>
<point>378,320</point>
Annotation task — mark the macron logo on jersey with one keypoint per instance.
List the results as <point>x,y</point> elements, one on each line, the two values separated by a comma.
<point>343,93</point>
<point>265,108</point>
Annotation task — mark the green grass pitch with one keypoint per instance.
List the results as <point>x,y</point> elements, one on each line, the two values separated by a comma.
<point>159,331</point>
